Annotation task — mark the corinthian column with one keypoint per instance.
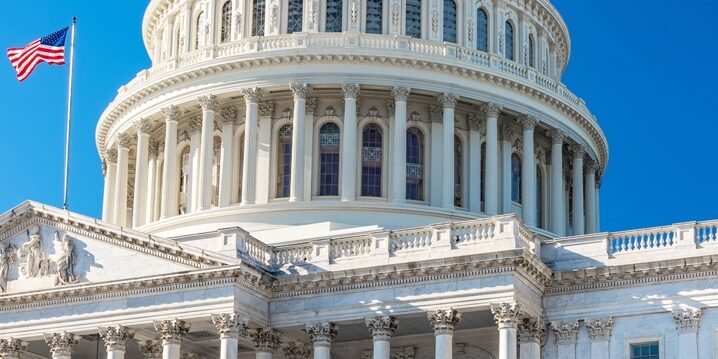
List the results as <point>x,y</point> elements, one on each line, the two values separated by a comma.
<point>566,334</point>
<point>506,316</point>
<point>61,344</point>
<point>448,103</point>
<point>558,213</point>
<point>266,341</point>
<point>687,322</point>
<point>322,336</point>
<point>296,183</point>
<point>108,209</point>
<point>115,339</point>
<point>382,328</point>
<point>195,138</point>
<point>11,348</point>
<point>297,351</point>
<point>491,202</point>
<point>590,188</point>
<point>349,142</point>
<point>123,159</point>
<point>149,201</point>
<point>444,323</point>
<point>171,333</point>
<point>229,115</point>
<point>530,331</point>
<point>141,164</point>
<point>249,162</point>
<point>169,167</point>
<point>401,96</point>
<point>528,170</point>
<point>204,194</point>
<point>577,177</point>
<point>229,327</point>
<point>599,332</point>
<point>475,125</point>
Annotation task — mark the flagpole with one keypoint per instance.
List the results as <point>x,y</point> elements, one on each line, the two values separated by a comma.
<point>69,112</point>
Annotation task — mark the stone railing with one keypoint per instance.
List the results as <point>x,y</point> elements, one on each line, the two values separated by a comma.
<point>366,44</point>
<point>384,247</point>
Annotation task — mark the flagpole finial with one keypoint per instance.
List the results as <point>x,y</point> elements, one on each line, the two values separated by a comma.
<point>74,19</point>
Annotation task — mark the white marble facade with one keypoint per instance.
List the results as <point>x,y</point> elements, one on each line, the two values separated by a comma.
<point>349,179</point>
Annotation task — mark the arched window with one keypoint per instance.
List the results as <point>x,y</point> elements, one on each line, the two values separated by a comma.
<point>374,16</point>
<point>450,21</point>
<point>226,33</point>
<point>199,33</point>
<point>258,17</point>
<point>294,16</point>
<point>532,52</point>
<point>482,30</point>
<point>458,171</point>
<point>184,181</point>
<point>216,168</point>
<point>413,18</point>
<point>371,161</point>
<point>509,41</point>
<point>329,160</point>
<point>515,178</point>
<point>414,164</point>
<point>539,197</point>
<point>334,16</point>
<point>284,160</point>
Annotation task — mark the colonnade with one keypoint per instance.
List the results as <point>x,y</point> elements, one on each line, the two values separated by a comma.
<point>483,124</point>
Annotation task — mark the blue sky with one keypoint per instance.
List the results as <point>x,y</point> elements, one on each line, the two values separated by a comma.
<point>647,72</point>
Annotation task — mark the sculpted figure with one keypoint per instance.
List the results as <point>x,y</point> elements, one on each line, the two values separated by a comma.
<point>7,257</point>
<point>66,260</point>
<point>33,261</point>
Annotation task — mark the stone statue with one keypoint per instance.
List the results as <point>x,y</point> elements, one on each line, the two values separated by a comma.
<point>33,260</point>
<point>7,257</point>
<point>66,260</point>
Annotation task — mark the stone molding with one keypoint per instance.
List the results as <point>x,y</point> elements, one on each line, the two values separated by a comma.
<point>381,328</point>
<point>400,94</point>
<point>310,106</point>
<point>351,90</point>
<point>599,330</point>
<point>11,348</point>
<point>475,122</point>
<point>124,140</point>
<point>436,113</point>
<point>300,90</point>
<point>115,337</point>
<point>528,122</point>
<point>252,94</point>
<point>321,334</point>
<point>578,150</point>
<point>687,320</point>
<point>230,325</point>
<point>491,110</point>
<point>195,124</point>
<point>208,103</point>
<point>62,343</point>
<point>171,113</point>
<point>448,100</point>
<point>266,108</point>
<point>171,331</point>
<point>566,332</point>
<point>531,330</point>
<point>266,340</point>
<point>229,115</point>
<point>444,321</point>
<point>297,350</point>
<point>150,349</point>
<point>506,315</point>
<point>111,155</point>
<point>144,125</point>
<point>557,136</point>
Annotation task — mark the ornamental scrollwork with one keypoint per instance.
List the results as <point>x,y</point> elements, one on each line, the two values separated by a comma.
<point>565,332</point>
<point>687,320</point>
<point>382,328</point>
<point>506,315</point>
<point>229,325</point>
<point>266,340</point>
<point>599,329</point>
<point>321,334</point>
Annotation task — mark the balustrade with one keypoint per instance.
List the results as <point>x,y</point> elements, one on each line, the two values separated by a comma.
<point>639,240</point>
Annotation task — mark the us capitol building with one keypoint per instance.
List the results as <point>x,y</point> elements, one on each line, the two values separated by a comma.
<point>350,179</point>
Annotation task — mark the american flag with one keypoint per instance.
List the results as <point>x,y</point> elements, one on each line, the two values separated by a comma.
<point>50,49</point>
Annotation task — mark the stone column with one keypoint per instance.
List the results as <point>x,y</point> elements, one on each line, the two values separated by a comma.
<point>577,178</point>
<point>506,316</point>
<point>475,125</point>
<point>444,322</point>
<point>590,188</point>
<point>141,172</point>
<point>229,115</point>
<point>448,103</point>
<point>401,96</point>
<point>507,136</point>
<point>566,335</point>
<point>169,167</point>
<point>558,213</point>
<point>171,333</point>
<point>687,322</point>
<point>123,162</point>
<point>528,171</point>
<point>266,342</point>
<point>61,344</point>
<point>296,183</point>
<point>349,142</point>
<point>436,147</point>
<point>322,336</point>
<point>11,348</point>
<point>195,138</point>
<point>249,162</point>
<point>229,327</point>
<point>491,202</point>
<point>204,194</point>
<point>263,153</point>
<point>150,349</point>
<point>382,328</point>
<point>599,332</point>
<point>152,177</point>
<point>530,331</point>
<point>115,340</point>
<point>108,208</point>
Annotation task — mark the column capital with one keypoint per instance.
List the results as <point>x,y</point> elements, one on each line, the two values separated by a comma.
<point>252,94</point>
<point>310,106</point>
<point>351,90</point>
<point>506,315</point>
<point>266,340</point>
<point>474,121</point>
<point>154,149</point>
<point>150,349</point>
<point>229,115</point>
<point>195,124</point>
<point>578,150</point>
<point>266,108</point>
<point>115,337</point>
<point>62,344</point>
<point>444,321</point>
<point>531,330</point>
<point>507,132</point>
<point>143,125</point>
<point>599,330</point>
<point>591,167</point>
<point>300,90</point>
<point>124,140</point>
<point>448,100</point>
<point>491,110</point>
<point>321,334</point>
<point>528,122</point>
<point>172,113</point>
<point>436,113</point>
<point>381,328</point>
<point>400,93</point>
<point>557,136</point>
<point>687,320</point>
<point>295,350</point>
<point>229,325</point>
<point>565,332</point>
<point>11,348</point>
<point>111,155</point>
<point>172,330</point>
<point>208,103</point>
<point>390,107</point>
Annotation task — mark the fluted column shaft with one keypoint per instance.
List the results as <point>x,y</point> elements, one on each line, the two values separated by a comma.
<point>169,167</point>
<point>491,202</point>
<point>401,96</point>
<point>123,159</point>
<point>558,213</point>
<point>349,143</point>
<point>528,171</point>
<point>577,177</point>
<point>204,196</point>
<point>227,150</point>
<point>448,103</point>
<point>296,183</point>
<point>108,194</point>
<point>590,188</point>
<point>249,162</point>
<point>141,173</point>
